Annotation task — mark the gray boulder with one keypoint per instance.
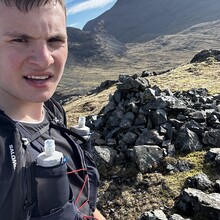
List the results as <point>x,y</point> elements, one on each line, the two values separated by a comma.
<point>212,137</point>
<point>196,203</point>
<point>200,181</point>
<point>147,157</point>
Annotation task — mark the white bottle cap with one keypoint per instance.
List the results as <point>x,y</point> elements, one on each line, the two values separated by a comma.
<point>81,122</point>
<point>50,157</point>
<point>81,128</point>
<point>49,147</point>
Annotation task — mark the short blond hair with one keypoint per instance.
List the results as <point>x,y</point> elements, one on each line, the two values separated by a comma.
<point>27,5</point>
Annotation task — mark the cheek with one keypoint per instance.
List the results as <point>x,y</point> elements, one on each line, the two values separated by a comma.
<point>10,64</point>
<point>7,65</point>
<point>10,70</point>
<point>60,59</point>
<point>64,52</point>
<point>8,75</point>
<point>6,78</point>
<point>14,60</point>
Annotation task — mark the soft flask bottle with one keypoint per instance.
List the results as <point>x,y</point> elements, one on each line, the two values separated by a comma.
<point>52,180</point>
<point>81,128</point>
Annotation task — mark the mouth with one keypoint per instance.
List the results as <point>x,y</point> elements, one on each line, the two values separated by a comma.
<point>37,78</point>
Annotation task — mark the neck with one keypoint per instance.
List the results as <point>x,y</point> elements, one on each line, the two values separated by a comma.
<point>30,115</point>
<point>26,112</point>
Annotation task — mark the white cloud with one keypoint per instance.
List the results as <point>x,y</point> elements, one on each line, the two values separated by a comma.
<point>73,25</point>
<point>88,5</point>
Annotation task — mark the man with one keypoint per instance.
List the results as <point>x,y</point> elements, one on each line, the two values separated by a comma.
<point>33,52</point>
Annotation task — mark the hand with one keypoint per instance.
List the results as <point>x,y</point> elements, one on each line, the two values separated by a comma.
<point>98,215</point>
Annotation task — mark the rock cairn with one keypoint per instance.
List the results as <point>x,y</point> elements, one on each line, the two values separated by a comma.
<point>143,125</point>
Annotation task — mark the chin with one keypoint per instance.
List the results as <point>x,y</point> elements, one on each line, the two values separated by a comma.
<point>40,99</point>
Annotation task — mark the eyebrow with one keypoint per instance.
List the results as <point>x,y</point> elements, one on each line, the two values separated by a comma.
<point>16,34</point>
<point>59,36</point>
<point>25,36</point>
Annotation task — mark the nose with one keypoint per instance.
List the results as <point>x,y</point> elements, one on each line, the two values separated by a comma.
<point>40,56</point>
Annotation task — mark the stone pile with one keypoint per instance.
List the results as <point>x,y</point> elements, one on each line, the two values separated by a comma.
<point>144,124</point>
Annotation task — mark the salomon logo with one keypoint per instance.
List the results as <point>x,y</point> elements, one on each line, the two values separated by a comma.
<point>13,157</point>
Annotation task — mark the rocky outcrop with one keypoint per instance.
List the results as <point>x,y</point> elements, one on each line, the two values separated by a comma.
<point>205,54</point>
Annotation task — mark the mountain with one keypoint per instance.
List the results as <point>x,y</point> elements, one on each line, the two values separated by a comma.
<point>144,20</point>
<point>97,55</point>
<point>86,47</point>
<point>90,62</point>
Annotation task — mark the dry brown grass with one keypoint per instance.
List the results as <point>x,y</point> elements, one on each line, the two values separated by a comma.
<point>188,76</point>
<point>87,105</point>
<point>184,77</point>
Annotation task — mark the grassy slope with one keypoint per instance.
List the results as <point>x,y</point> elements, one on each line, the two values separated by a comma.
<point>127,199</point>
<point>184,77</point>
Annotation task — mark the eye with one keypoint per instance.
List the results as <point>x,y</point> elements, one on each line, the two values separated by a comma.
<point>19,40</point>
<point>56,41</point>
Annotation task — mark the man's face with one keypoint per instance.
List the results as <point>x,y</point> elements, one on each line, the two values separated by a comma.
<point>33,52</point>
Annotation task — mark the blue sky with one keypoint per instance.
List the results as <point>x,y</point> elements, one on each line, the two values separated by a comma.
<point>81,11</point>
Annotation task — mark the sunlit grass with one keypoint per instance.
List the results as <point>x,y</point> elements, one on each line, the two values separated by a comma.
<point>190,76</point>
<point>176,181</point>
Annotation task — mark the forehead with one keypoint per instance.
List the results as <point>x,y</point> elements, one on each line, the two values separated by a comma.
<point>43,19</point>
<point>27,5</point>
